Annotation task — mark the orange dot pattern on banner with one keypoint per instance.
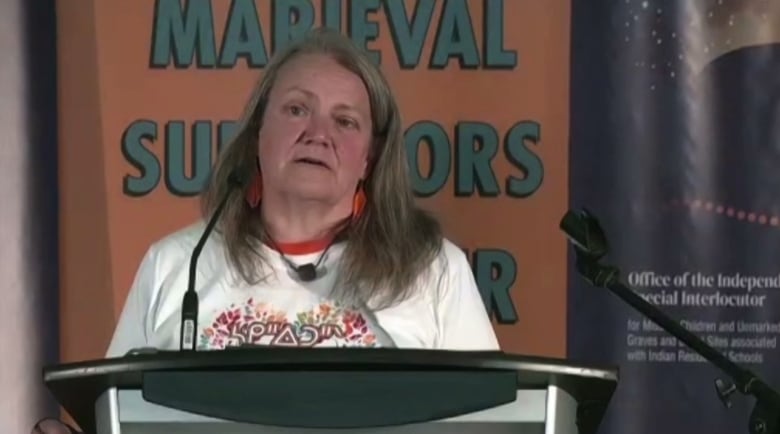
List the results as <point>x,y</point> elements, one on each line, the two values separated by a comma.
<point>728,211</point>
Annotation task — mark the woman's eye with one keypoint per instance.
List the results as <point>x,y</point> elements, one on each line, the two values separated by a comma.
<point>296,110</point>
<point>347,123</point>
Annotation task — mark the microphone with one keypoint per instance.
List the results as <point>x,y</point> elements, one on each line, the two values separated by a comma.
<point>590,245</point>
<point>190,302</point>
<point>586,233</point>
<point>306,272</point>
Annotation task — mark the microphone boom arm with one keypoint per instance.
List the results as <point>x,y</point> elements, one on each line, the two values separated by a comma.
<point>590,245</point>
<point>190,302</point>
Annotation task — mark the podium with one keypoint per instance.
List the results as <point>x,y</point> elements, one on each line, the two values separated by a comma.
<point>273,390</point>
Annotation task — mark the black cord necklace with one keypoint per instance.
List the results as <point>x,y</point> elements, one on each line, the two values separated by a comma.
<point>306,272</point>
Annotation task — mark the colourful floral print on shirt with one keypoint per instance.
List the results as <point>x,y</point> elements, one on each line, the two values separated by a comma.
<point>262,324</point>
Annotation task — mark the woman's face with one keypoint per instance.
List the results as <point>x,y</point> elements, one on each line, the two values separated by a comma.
<point>316,131</point>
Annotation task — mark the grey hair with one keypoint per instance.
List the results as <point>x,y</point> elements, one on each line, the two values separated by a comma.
<point>392,244</point>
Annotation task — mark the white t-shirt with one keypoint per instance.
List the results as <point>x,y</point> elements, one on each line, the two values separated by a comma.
<point>445,313</point>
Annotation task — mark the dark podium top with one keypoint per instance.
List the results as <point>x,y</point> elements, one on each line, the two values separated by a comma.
<point>328,388</point>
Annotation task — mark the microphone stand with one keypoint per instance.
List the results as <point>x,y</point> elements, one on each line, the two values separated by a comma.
<point>590,245</point>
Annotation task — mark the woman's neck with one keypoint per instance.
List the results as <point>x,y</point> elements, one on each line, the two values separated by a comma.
<point>301,224</point>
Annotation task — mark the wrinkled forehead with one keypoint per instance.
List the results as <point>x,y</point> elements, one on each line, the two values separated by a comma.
<point>336,75</point>
<point>320,73</point>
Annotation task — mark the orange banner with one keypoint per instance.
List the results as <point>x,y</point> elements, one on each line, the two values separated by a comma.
<point>150,89</point>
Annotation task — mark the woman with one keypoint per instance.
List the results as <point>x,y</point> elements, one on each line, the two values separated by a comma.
<point>322,138</point>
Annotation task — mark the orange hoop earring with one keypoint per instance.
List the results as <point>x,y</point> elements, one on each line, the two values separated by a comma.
<point>255,191</point>
<point>359,202</point>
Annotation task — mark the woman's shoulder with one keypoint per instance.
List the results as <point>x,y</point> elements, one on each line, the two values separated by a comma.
<point>446,270</point>
<point>181,240</point>
<point>177,246</point>
<point>451,257</point>
<point>184,237</point>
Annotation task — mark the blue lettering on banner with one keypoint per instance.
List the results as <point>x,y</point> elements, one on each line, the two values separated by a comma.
<point>176,178</point>
<point>524,159</point>
<point>474,164</point>
<point>433,135</point>
<point>471,166</point>
<point>292,18</point>
<point>243,37</point>
<point>361,29</point>
<point>409,36</point>
<point>141,158</point>
<point>496,55</point>
<point>184,33</point>
<point>455,38</point>
<point>136,148</point>
<point>495,272</point>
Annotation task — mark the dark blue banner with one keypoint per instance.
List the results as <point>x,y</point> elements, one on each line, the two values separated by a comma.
<point>676,149</point>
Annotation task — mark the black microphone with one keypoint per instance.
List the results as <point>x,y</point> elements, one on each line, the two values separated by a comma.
<point>306,272</point>
<point>590,245</point>
<point>190,302</point>
<point>585,233</point>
